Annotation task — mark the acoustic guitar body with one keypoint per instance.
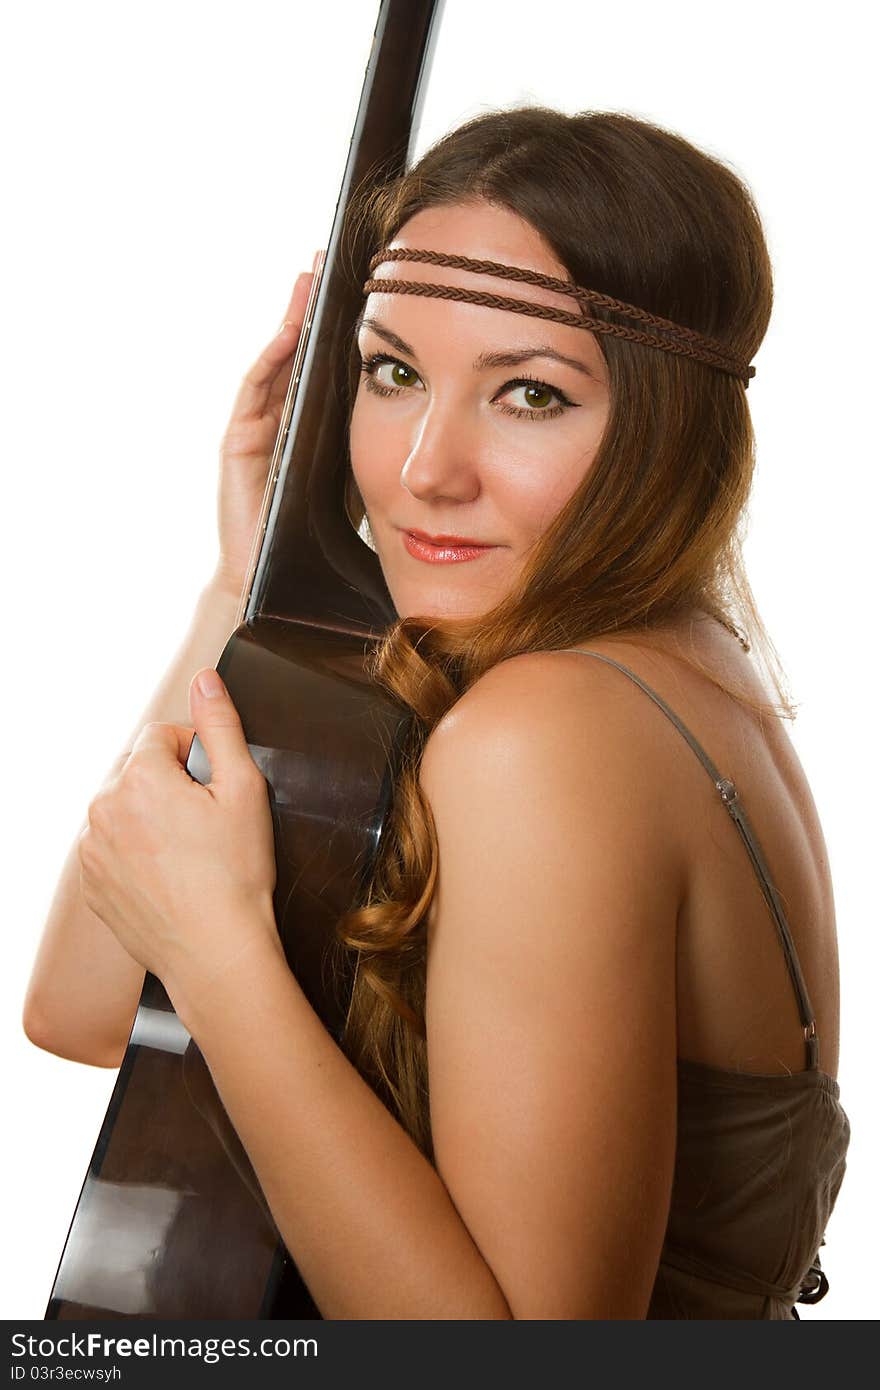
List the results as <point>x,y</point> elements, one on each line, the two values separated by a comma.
<point>171,1222</point>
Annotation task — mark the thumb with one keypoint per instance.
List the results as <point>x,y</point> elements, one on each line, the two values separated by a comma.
<point>218,725</point>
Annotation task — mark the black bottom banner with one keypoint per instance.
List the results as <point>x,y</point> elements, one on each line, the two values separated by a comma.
<point>140,1353</point>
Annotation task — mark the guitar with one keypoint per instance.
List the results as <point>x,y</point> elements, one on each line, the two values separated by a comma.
<point>171,1221</point>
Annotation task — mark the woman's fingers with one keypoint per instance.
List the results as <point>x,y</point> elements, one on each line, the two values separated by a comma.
<point>296,309</point>
<point>256,386</point>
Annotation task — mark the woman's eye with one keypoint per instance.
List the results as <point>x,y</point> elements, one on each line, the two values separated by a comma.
<point>388,376</point>
<point>537,396</point>
<point>537,400</point>
<point>395,375</point>
<point>398,374</point>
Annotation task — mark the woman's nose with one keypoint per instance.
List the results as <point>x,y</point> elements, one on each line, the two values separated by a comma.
<point>443,461</point>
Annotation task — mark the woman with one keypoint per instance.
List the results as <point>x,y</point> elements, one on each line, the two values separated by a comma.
<point>580,1076</point>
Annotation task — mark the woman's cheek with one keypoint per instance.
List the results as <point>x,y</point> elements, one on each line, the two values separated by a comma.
<point>371,449</point>
<point>539,496</point>
<point>527,490</point>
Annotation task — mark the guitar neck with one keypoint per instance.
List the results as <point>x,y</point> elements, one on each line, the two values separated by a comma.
<point>308,563</point>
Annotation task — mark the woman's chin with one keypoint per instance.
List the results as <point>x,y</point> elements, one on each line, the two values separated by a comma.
<point>439,600</point>
<point>434,609</point>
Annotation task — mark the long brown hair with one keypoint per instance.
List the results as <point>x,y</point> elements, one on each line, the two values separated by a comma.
<point>654,529</point>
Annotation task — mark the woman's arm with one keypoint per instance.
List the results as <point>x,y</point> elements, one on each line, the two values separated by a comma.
<point>551,985</point>
<point>371,1226</point>
<point>84,987</point>
<point>551,1036</point>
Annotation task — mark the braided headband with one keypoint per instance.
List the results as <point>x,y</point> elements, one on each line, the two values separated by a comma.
<point>684,342</point>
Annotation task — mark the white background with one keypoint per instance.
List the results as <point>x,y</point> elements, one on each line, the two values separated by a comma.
<point>168,170</point>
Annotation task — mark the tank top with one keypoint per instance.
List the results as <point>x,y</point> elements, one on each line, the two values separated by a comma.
<point>759,1158</point>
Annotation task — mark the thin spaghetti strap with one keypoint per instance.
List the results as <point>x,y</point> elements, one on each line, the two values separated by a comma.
<point>730,798</point>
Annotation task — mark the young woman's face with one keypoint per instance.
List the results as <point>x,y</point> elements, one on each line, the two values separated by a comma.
<point>466,422</point>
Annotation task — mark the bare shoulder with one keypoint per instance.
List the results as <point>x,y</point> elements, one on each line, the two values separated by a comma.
<point>552,749</point>
<point>568,728</point>
<point>556,737</point>
<point>555,697</point>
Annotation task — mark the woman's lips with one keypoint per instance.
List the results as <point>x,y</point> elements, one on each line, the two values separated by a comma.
<point>442,554</point>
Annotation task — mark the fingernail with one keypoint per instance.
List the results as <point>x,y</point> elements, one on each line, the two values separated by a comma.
<point>284,327</point>
<point>210,684</point>
<point>315,260</point>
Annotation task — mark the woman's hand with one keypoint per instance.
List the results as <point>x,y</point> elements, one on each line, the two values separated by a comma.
<point>249,439</point>
<point>183,874</point>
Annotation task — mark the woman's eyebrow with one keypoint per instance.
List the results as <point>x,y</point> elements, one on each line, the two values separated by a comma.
<point>512,358</point>
<point>365,320</point>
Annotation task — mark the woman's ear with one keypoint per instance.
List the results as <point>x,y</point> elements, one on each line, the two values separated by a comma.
<point>356,511</point>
